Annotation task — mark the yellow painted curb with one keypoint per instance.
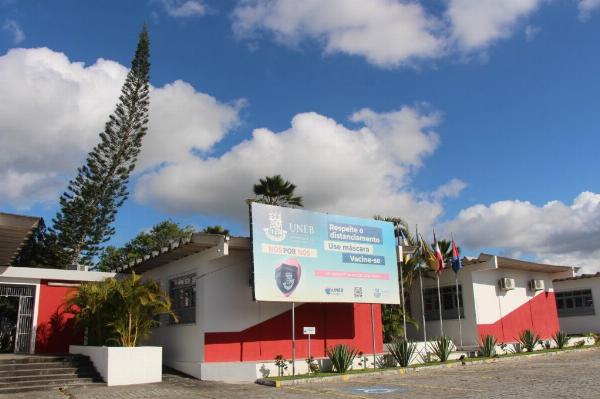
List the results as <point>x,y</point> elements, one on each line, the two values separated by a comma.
<point>344,378</point>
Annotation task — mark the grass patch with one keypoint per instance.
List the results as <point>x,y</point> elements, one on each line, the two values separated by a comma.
<point>420,365</point>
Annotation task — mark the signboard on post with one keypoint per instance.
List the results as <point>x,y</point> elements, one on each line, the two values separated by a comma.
<point>310,330</point>
<point>302,256</point>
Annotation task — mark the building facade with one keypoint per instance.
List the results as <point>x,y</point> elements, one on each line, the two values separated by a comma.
<point>223,334</point>
<point>498,296</point>
<point>577,301</point>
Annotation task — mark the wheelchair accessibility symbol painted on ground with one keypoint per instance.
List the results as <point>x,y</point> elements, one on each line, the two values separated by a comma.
<point>376,390</point>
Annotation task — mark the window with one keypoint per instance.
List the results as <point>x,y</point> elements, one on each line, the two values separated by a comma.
<point>449,303</point>
<point>575,303</point>
<point>182,291</point>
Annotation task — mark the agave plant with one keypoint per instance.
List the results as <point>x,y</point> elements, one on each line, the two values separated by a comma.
<point>341,357</point>
<point>441,348</point>
<point>487,346</point>
<point>529,340</point>
<point>561,339</point>
<point>403,351</point>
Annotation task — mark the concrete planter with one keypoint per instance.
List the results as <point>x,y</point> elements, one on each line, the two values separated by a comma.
<point>124,365</point>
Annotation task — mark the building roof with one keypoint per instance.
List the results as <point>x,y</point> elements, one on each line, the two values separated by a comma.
<point>14,232</point>
<point>581,277</point>
<point>52,274</point>
<point>184,247</point>
<point>517,264</point>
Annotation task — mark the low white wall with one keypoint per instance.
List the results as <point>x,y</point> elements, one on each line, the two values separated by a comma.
<point>124,365</point>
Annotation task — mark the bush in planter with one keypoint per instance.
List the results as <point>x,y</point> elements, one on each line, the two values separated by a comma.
<point>487,346</point>
<point>529,340</point>
<point>119,311</point>
<point>403,351</point>
<point>341,357</point>
<point>442,348</point>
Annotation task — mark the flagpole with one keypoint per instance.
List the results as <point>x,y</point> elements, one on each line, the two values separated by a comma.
<point>456,281</point>
<point>402,281</point>
<point>458,303</point>
<point>440,304</point>
<point>423,309</point>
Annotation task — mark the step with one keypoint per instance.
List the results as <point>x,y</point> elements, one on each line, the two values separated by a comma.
<point>52,365</point>
<point>49,377</point>
<point>62,381</point>
<point>49,387</point>
<point>42,371</point>
<point>42,359</point>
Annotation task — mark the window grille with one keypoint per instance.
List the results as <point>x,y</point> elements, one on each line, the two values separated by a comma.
<point>449,303</point>
<point>575,303</point>
<point>182,291</point>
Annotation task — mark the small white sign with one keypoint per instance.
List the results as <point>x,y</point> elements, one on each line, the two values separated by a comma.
<point>310,330</point>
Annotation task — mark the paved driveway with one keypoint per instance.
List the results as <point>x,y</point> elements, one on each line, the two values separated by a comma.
<point>569,375</point>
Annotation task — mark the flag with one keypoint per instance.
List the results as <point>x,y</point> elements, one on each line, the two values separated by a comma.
<point>405,243</point>
<point>428,255</point>
<point>438,256</point>
<point>456,263</point>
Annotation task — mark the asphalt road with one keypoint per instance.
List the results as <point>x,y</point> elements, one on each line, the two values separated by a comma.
<point>573,375</point>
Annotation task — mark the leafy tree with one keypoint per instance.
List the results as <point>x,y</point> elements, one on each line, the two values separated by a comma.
<point>119,311</point>
<point>159,236</point>
<point>40,250</point>
<point>274,190</point>
<point>216,230</point>
<point>89,206</point>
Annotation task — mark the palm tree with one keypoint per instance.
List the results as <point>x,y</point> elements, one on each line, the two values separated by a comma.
<point>274,190</point>
<point>216,230</point>
<point>122,311</point>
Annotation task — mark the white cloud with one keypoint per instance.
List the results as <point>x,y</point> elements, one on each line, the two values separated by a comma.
<point>554,232</point>
<point>586,7</point>
<point>52,110</point>
<point>362,171</point>
<point>387,33</point>
<point>184,8</point>
<point>531,32</point>
<point>15,30</point>
<point>476,24</point>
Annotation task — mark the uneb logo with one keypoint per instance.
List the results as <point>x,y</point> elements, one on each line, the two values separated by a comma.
<point>275,231</point>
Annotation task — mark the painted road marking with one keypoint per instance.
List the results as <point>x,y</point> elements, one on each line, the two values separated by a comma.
<point>376,390</point>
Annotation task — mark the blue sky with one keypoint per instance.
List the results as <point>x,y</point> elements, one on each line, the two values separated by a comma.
<point>476,117</point>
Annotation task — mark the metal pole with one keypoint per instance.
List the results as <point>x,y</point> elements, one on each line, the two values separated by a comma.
<point>373,335</point>
<point>423,308</point>
<point>440,305</point>
<point>401,261</point>
<point>309,349</point>
<point>458,303</point>
<point>293,339</point>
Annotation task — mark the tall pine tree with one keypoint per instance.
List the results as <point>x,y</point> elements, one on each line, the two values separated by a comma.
<point>89,206</point>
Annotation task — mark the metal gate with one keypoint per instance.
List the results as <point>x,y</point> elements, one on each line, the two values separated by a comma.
<point>26,295</point>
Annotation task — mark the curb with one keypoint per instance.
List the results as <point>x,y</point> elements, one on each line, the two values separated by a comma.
<point>408,370</point>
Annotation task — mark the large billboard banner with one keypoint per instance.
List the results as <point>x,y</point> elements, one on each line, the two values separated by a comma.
<point>302,256</point>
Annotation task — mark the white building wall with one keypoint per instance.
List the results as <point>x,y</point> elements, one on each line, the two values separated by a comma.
<point>492,303</point>
<point>224,303</point>
<point>451,327</point>
<point>581,324</point>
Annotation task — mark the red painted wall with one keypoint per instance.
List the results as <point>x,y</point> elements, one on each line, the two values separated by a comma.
<point>336,323</point>
<point>539,315</point>
<point>55,329</point>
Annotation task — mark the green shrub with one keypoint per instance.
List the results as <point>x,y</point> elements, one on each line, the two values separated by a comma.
<point>528,340</point>
<point>403,351</point>
<point>341,357</point>
<point>441,348</point>
<point>487,346</point>
<point>561,339</point>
